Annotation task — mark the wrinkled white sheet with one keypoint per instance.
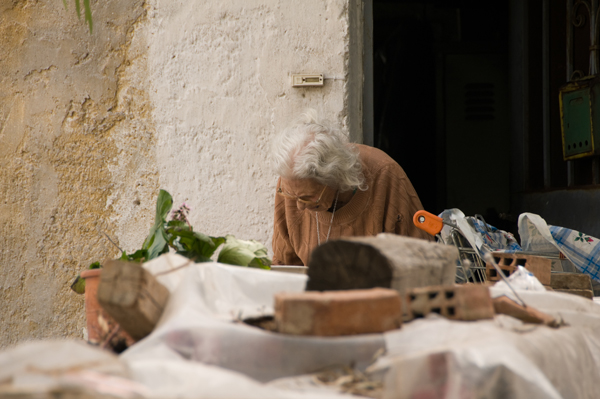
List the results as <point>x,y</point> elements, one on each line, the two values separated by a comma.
<point>36,368</point>
<point>535,234</point>
<point>50,356</point>
<point>202,323</point>
<point>200,351</point>
<point>167,375</point>
<point>222,291</point>
<point>43,366</point>
<point>500,358</point>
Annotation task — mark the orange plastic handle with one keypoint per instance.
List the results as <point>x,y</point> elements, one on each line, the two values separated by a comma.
<point>428,222</point>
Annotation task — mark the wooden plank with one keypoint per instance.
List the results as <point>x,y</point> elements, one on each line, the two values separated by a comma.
<point>571,281</point>
<point>132,296</point>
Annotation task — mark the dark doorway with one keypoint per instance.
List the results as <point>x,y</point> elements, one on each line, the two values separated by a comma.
<point>441,100</point>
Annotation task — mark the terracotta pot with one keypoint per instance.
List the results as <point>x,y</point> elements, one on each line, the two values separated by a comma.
<point>102,329</point>
<point>92,307</point>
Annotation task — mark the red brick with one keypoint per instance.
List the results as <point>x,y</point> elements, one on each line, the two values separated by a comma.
<point>539,266</point>
<point>456,302</point>
<point>333,313</point>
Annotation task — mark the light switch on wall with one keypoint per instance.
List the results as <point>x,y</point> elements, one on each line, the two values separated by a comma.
<point>302,80</point>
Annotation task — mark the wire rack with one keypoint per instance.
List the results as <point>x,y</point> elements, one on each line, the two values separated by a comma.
<point>470,266</point>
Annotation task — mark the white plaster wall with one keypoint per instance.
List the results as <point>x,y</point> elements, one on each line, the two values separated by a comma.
<point>220,78</point>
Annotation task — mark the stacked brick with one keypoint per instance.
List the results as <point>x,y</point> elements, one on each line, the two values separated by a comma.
<point>334,313</point>
<point>376,310</point>
<point>573,283</point>
<point>539,266</point>
<point>459,302</point>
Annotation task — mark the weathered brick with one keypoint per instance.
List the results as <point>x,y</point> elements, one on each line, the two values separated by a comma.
<point>132,296</point>
<point>505,305</point>
<point>457,302</point>
<point>386,260</point>
<point>574,281</point>
<point>333,313</point>
<point>539,266</point>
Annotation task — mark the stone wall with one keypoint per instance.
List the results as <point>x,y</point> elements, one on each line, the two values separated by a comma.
<point>178,95</point>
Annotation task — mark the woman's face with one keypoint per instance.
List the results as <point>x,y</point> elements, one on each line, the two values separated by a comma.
<point>308,194</point>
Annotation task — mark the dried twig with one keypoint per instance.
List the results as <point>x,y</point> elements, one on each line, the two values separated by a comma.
<point>112,242</point>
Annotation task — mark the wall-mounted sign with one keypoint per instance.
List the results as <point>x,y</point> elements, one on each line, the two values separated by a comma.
<point>580,118</point>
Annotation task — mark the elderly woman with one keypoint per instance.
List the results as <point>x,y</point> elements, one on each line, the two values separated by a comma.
<point>329,188</point>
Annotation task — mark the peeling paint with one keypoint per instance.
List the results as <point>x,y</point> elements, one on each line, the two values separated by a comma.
<point>72,128</point>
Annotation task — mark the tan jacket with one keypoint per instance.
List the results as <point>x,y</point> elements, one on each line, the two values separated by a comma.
<point>387,205</point>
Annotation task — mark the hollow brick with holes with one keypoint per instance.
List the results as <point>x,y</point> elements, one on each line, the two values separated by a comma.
<point>460,302</point>
<point>334,313</point>
<point>539,266</point>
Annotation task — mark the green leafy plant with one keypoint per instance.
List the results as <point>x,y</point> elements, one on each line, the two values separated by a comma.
<point>178,234</point>
<point>79,284</point>
<point>87,11</point>
<point>156,243</point>
<point>248,253</point>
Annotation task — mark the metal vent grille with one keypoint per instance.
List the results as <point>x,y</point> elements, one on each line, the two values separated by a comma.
<point>479,101</point>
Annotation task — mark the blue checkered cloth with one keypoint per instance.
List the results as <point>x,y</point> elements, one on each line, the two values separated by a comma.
<point>581,249</point>
<point>493,239</point>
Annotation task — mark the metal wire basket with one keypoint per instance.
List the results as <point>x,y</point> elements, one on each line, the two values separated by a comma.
<point>470,267</point>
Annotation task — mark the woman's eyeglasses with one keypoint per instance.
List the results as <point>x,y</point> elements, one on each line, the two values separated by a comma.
<point>304,200</point>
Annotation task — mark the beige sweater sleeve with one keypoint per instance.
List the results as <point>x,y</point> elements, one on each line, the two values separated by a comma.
<point>398,196</point>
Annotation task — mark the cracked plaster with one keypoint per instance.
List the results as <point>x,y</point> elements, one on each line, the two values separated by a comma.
<point>178,95</point>
<point>72,136</point>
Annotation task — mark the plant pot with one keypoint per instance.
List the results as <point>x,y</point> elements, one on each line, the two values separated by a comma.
<point>102,329</point>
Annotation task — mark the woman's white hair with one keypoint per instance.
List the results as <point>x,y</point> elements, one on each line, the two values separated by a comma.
<point>310,149</point>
